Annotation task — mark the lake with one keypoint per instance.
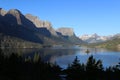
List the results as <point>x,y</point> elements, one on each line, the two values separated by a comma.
<point>65,55</point>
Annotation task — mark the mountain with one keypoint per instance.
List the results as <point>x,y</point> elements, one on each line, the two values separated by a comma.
<point>13,23</point>
<point>15,26</point>
<point>62,34</point>
<point>113,44</point>
<point>68,33</point>
<point>2,12</point>
<point>41,24</point>
<point>94,38</point>
<point>116,36</point>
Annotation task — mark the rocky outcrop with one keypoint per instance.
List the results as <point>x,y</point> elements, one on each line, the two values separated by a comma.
<point>2,12</point>
<point>41,24</point>
<point>14,17</point>
<point>16,13</point>
<point>66,31</point>
<point>35,19</point>
<point>69,35</point>
<point>38,23</point>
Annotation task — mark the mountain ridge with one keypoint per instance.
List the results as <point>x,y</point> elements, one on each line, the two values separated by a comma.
<point>95,38</point>
<point>31,28</point>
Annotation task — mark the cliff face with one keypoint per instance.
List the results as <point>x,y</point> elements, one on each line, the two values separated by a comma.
<point>41,24</point>
<point>66,31</point>
<point>15,13</point>
<point>35,20</point>
<point>69,34</point>
<point>2,12</point>
<point>14,17</point>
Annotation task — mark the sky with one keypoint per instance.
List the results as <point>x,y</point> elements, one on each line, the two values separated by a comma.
<point>84,16</point>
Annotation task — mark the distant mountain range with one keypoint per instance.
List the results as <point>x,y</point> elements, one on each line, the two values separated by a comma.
<point>95,38</point>
<point>110,42</point>
<point>14,26</point>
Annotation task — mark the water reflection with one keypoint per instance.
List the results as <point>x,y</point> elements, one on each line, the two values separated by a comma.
<point>65,55</point>
<point>109,58</point>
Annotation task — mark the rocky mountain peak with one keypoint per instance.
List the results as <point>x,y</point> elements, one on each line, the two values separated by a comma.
<point>16,13</point>
<point>40,23</point>
<point>95,35</point>
<point>94,38</point>
<point>47,24</point>
<point>2,12</point>
<point>35,20</point>
<point>66,31</point>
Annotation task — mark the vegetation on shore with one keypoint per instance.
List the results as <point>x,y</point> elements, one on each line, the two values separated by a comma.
<point>92,70</point>
<point>14,42</point>
<point>16,67</point>
<point>111,44</point>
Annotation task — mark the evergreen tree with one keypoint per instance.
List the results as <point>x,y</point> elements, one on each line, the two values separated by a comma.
<point>93,65</point>
<point>36,58</point>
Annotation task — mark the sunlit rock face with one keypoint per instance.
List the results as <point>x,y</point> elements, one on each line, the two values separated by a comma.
<point>41,24</point>
<point>17,14</point>
<point>2,12</point>
<point>66,31</point>
<point>14,17</point>
<point>35,20</point>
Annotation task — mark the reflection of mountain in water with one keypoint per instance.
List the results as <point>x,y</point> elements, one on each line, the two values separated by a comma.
<point>47,54</point>
<point>65,55</point>
<point>51,54</point>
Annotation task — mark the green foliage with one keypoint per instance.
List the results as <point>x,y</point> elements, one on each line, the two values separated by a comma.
<point>36,58</point>
<point>28,59</point>
<point>76,64</point>
<point>93,65</point>
<point>111,44</point>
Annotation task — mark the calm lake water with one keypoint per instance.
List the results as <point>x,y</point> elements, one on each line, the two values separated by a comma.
<point>65,55</point>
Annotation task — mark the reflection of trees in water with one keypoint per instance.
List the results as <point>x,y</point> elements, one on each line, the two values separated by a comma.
<point>52,54</point>
<point>46,54</point>
<point>16,67</point>
<point>20,51</point>
<point>92,50</point>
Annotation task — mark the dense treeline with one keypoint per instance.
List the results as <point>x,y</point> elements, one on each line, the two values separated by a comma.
<point>7,41</point>
<point>92,70</point>
<point>16,67</point>
<point>113,44</point>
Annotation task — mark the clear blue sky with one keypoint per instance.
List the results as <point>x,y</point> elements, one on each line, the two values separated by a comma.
<point>84,16</point>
